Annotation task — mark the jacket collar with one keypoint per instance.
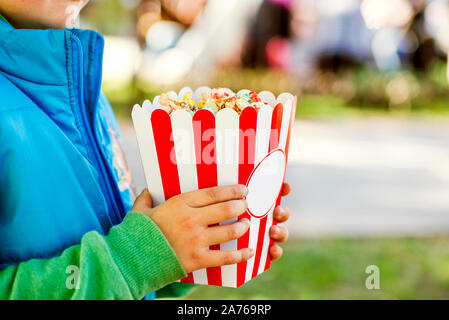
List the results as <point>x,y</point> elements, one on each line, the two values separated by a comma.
<point>3,18</point>
<point>46,57</point>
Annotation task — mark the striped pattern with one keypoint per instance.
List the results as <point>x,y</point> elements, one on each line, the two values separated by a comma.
<point>181,153</point>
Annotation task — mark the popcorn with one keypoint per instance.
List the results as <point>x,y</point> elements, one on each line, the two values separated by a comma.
<point>170,104</point>
<point>214,101</point>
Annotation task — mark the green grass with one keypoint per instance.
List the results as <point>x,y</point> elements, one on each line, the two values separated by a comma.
<point>312,106</point>
<point>319,106</point>
<point>410,268</point>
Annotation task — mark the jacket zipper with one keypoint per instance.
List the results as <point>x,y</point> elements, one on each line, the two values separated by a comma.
<point>112,195</point>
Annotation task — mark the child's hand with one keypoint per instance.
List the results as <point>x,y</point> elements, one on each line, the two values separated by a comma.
<point>279,233</point>
<point>186,221</point>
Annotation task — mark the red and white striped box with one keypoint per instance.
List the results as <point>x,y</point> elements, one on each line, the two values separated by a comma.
<point>182,153</point>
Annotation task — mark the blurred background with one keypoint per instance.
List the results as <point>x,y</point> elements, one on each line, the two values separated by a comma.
<point>369,162</point>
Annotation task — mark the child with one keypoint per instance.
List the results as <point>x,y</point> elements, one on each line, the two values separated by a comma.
<point>68,226</point>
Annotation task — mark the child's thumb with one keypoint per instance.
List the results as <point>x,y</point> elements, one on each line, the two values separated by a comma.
<point>143,201</point>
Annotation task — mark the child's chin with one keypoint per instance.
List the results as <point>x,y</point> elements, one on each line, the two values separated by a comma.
<point>64,23</point>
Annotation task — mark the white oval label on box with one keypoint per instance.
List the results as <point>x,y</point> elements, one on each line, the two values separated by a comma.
<point>265,183</point>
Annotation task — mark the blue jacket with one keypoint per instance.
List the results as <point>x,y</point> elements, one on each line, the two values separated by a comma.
<point>62,171</point>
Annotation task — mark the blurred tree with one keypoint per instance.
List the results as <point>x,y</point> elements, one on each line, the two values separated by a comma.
<point>113,17</point>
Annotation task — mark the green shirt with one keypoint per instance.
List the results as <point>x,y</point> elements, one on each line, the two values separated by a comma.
<point>133,259</point>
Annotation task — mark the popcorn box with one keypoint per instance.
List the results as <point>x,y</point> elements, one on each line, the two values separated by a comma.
<point>182,152</point>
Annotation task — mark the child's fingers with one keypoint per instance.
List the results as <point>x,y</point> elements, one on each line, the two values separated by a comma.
<point>278,233</point>
<point>208,196</point>
<point>143,201</point>
<point>281,214</point>
<point>222,211</point>
<point>275,252</point>
<point>224,233</point>
<point>286,189</point>
<point>224,257</point>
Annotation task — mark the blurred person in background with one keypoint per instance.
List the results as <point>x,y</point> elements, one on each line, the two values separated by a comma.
<point>70,226</point>
<point>267,42</point>
<point>301,36</point>
<point>150,12</point>
<point>294,36</point>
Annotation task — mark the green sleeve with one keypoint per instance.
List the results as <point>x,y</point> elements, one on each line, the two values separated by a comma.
<point>132,260</point>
